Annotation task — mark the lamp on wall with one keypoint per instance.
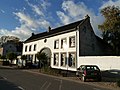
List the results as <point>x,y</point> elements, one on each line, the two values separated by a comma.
<point>45,40</point>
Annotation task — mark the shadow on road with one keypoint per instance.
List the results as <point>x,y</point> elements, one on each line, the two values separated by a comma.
<point>111,76</point>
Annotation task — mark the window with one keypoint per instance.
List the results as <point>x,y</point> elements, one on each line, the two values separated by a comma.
<point>72,41</point>
<point>72,59</point>
<point>63,42</point>
<point>31,57</point>
<point>28,57</point>
<point>35,47</point>
<point>63,59</point>
<point>56,44</point>
<point>56,59</point>
<point>92,68</point>
<point>25,48</point>
<point>30,47</point>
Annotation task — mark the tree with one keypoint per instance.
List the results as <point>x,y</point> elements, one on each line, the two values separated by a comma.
<point>23,57</point>
<point>111,27</point>
<point>11,56</point>
<point>42,57</point>
<point>2,57</point>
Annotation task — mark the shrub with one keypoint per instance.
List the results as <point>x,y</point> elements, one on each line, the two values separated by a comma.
<point>50,71</point>
<point>118,83</point>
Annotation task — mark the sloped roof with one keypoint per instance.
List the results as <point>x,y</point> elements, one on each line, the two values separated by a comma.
<point>54,32</point>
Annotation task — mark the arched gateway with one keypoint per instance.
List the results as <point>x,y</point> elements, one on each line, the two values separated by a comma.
<point>47,51</point>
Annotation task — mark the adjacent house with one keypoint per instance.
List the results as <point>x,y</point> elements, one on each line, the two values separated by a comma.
<point>11,46</point>
<point>66,44</point>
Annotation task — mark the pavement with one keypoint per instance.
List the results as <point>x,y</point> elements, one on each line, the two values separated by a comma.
<point>7,67</point>
<point>106,82</point>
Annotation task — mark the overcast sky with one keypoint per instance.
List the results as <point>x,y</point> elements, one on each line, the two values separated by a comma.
<point>22,17</point>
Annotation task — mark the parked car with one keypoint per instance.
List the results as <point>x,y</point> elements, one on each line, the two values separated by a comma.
<point>89,72</point>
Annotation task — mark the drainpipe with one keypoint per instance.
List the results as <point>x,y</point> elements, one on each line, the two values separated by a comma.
<point>76,47</point>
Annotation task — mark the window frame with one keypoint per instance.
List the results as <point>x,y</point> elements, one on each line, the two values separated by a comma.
<point>72,63</point>
<point>56,61</point>
<point>55,44</point>
<point>62,43</point>
<point>30,47</point>
<point>26,48</point>
<point>71,42</point>
<point>63,62</point>
<point>35,45</point>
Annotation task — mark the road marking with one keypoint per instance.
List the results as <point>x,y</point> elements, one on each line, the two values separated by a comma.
<point>58,80</point>
<point>20,88</point>
<point>4,78</point>
<point>43,85</point>
<point>47,86</point>
<point>96,89</point>
<point>60,86</point>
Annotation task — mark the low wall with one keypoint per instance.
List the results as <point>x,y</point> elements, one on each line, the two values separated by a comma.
<point>104,62</point>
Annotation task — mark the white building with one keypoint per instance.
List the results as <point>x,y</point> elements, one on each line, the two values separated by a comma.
<point>67,45</point>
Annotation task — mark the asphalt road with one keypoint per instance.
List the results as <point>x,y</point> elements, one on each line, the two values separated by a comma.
<point>5,85</point>
<point>12,79</point>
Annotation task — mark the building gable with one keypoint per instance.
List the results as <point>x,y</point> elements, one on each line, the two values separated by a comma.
<point>90,44</point>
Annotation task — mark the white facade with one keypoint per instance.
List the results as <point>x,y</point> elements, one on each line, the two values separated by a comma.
<point>40,44</point>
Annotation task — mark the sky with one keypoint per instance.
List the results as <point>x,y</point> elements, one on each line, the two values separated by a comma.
<point>21,18</point>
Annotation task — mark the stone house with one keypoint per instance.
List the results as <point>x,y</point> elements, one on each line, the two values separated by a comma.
<point>11,46</point>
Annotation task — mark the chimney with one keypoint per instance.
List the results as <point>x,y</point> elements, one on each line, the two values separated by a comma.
<point>33,34</point>
<point>49,28</point>
<point>87,16</point>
